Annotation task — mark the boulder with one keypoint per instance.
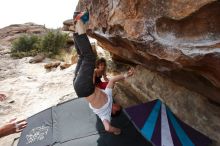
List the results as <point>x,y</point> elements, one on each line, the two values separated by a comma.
<point>68,25</point>
<point>38,58</point>
<point>175,43</point>
<point>68,22</point>
<point>65,66</point>
<point>50,66</point>
<point>178,39</point>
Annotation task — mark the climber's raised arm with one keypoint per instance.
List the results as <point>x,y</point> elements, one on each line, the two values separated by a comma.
<point>117,78</point>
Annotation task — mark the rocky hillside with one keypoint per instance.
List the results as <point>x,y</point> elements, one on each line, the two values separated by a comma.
<point>177,47</point>
<point>10,33</point>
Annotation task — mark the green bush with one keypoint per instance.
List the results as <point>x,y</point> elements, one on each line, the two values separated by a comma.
<point>51,44</point>
<point>25,43</point>
<point>25,46</point>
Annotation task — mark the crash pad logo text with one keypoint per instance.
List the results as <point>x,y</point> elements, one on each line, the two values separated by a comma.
<point>37,134</point>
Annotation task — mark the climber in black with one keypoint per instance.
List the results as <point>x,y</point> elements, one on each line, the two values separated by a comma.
<point>100,101</point>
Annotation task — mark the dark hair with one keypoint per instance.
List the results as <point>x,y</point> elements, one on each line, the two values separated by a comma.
<point>99,61</point>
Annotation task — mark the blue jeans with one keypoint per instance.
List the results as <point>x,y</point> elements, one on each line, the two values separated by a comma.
<point>83,83</point>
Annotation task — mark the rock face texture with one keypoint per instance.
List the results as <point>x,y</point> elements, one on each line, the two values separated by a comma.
<point>178,40</point>
<point>189,106</point>
<point>67,25</point>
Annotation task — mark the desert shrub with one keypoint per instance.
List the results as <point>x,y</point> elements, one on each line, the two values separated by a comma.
<point>25,46</point>
<point>53,42</point>
<point>50,44</point>
<point>25,43</point>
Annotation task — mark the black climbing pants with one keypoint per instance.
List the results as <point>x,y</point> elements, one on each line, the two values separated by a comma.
<point>80,57</point>
<point>83,83</point>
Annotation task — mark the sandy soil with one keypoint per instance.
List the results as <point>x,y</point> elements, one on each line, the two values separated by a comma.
<point>30,89</point>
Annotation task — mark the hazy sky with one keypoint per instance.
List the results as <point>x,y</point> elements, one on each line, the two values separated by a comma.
<point>52,13</point>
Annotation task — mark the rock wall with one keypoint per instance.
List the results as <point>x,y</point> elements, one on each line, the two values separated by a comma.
<point>176,40</point>
<point>189,106</point>
<point>179,39</point>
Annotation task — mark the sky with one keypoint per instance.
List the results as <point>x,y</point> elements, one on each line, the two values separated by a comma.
<point>50,13</point>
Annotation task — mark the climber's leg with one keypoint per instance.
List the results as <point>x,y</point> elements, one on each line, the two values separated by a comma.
<point>83,84</point>
<point>80,57</point>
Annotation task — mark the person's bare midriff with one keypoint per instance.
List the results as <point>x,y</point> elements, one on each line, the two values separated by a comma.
<point>98,99</point>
